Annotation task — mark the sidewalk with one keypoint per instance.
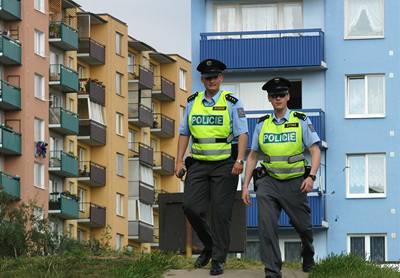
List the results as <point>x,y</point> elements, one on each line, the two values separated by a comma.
<point>231,273</point>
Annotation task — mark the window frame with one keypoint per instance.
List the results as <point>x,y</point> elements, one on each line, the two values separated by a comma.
<point>119,123</point>
<point>119,238</point>
<point>182,79</point>
<point>118,43</point>
<point>39,43</point>
<point>42,7</point>
<point>139,203</point>
<point>118,83</point>
<point>119,204</point>
<point>117,157</point>
<point>38,79</point>
<point>367,238</point>
<point>40,168</point>
<point>37,122</point>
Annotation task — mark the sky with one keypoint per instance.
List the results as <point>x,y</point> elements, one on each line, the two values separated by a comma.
<point>163,24</point>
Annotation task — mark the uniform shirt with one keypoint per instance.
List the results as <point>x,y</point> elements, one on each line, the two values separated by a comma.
<point>309,134</point>
<point>238,122</point>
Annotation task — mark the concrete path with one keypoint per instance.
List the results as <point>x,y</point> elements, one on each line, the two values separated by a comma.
<point>231,273</point>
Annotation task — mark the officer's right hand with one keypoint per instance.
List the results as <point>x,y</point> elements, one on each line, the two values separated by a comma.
<point>246,196</point>
<point>178,167</point>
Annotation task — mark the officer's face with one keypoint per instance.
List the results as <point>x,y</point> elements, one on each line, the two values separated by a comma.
<point>212,84</point>
<point>279,101</point>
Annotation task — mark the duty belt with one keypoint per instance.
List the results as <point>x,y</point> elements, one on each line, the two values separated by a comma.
<point>212,140</point>
<point>289,159</point>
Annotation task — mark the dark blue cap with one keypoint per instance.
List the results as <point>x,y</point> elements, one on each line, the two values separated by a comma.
<point>211,68</point>
<point>277,85</point>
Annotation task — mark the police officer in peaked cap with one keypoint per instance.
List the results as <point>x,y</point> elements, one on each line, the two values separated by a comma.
<point>216,123</point>
<point>282,137</point>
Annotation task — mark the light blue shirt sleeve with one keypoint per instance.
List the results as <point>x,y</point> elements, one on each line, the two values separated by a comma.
<point>256,134</point>
<point>184,126</point>
<point>309,134</point>
<point>239,120</point>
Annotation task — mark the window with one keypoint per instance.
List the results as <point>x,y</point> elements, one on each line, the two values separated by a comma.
<point>131,139</point>
<point>145,213</point>
<point>132,209</point>
<point>120,164</point>
<point>364,19</point>
<point>81,235</point>
<point>39,43</point>
<point>131,62</point>
<point>38,130</point>
<point>119,206</point>
<point>366,175</point>
<point>118,43</point>
<point>97,112</point>
<point>38,175</point>
<point>118,83</point>
<point>365,96</point>
<point>292,251</point>
<point>182,79</point>
<point>39,86</point>
<point>119,119</point>
<point>82,199</point>
<point>39,5</point>
<point>371,247</point>
<point>146,175</point>
<point>71,146</point>
<point>119,239</point>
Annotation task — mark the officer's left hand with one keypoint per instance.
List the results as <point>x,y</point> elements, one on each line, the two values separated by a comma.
<point>307,185</point>
<point>237,168</point>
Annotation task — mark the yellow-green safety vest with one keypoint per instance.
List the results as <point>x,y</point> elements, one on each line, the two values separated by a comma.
<point>283,147</point>
<point>210,129</point>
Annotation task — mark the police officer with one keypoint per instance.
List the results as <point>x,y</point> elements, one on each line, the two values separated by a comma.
<point>216,122</point>
<point>282,137</point>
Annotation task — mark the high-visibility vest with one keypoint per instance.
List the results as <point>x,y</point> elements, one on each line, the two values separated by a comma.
<point>283,147</point>
<point>210,129</point>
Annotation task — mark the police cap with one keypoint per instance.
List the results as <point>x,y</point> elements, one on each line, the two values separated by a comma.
<point>210,68</point>
<point>277,85</point>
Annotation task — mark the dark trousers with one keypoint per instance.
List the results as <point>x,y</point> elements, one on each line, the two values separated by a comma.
<point>210,187</point>
<point>273,196</point>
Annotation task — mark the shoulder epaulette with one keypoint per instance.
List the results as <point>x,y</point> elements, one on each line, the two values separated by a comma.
<point>263,118</point>
<point>192,97</point>
<point>230,98</point>
<point>300,115</point>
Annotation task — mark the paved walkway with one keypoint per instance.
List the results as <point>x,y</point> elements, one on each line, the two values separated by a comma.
<point>232,273</point>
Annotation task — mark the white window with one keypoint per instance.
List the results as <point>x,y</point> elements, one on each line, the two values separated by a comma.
<point>182,79</point>
<point>119,119</point>
<point>96,112</point>
<point>145,213</point>
<point>364,19</point>
<point>39,86</point>
<point>118,43</point>
<point>118,83</point>
<point>366,175</point>
<point>39,5</point>
<point>365,96</point>
<point>38,130</point>
<point>119,239</point>
<point>371,247</point>
<point>39,43</point>
<point>119,204</point>
<point>146,175</point>
<point>132,209</point>
<point>82,199</point>
<point>38,175</point>
<point>120,164</point>
<point>290,250</point>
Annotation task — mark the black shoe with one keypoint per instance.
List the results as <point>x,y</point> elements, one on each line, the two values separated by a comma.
<point>203,259</point>
<point>217,268</point>
<point>308,264</point>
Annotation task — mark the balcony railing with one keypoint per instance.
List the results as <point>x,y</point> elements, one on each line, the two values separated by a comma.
<point>63,78</point>
<point>10,141</point>
<point>164,164</point>
<point>63,164</point>
<point>164,89</point>
<point>143,75</point>
<point>278,49</point>
<point>63,36</point>
<point>10,96</point>
<point>64,205</point>
<point>63,121</point>
<point>95,89</point>
<point>140,231</point>
<point>141,151</point>
<point>10,185</point>
<point>92,132</point>
<point>142,191</point>
<point>92,174</point>
<point>92,215</point>
<point>10,51</point>
<point>163,126</point>
<point>91,51</point>
<point>140,115</point>
<point>10,10</point>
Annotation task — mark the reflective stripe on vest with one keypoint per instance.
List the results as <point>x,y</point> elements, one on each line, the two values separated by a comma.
<point>210,129</point>
<point>283,147</point>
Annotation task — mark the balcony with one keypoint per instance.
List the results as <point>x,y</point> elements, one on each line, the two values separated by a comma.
<point>10,51</point>
<point>10,96</point>
<point>140,115</point>
<point>141,151</point>
<point>64,205</point>
<point>63,78</point>
<point>142,191</point>
<point>163,90</point>
<point>266,50</point>
<point>63,36</point>
<point>92,215</point>
<point>10,185</point>
<point>140,231</point>
<point>92,174</point>
<point>91,51</point>
<point>10,141</point>
<point>316,116</point>
<point>163,126</point>
<point>95,89</point>
<point>10,10</point>
<point>164,164</point>
<point>317,205</point>
<point>142,75</point>
<point>63,164</point>
<point>63,121</point>
<point>92,133</point>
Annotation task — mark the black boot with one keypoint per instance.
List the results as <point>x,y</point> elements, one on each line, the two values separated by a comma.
<point>203,259</point>
<point>217,268</point>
